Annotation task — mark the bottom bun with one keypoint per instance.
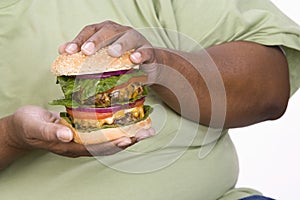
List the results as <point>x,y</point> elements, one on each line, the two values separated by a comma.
<point>107,134</point>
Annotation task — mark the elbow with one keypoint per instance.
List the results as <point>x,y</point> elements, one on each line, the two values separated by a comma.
<point>277,106</point>
<point>275,111</point>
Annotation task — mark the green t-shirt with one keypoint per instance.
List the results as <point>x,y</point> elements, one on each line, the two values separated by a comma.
<point>184,160</point>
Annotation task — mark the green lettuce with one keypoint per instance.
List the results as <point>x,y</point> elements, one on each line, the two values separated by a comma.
<point>87,88</point>
<point>90,87</point>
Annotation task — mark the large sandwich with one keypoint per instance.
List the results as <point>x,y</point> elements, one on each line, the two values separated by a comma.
<point>103,96</point>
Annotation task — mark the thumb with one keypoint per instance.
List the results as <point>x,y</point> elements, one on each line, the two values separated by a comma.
<point>56,132</point>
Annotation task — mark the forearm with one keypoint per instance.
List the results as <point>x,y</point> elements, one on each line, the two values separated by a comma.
<point>254,77</point>
<point>7,153</point>
<point>253,84</point>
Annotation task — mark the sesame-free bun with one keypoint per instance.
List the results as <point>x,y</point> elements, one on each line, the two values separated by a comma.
<point>107,134</point>
<point>78,63</point>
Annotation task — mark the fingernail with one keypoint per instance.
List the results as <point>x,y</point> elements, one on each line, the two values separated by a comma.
<point>136,57</point>
<point>88,48</point>
<point>71,48</point>
<point>115,50</point>
<point>65,135</point>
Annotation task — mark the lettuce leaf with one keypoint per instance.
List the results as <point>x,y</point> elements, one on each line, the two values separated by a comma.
<point>90,87</point>
<point>74,104</point>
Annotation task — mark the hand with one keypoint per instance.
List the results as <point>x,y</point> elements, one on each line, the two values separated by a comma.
<point>119,39</point>
<point>32,127</point>
<point>206,74</point>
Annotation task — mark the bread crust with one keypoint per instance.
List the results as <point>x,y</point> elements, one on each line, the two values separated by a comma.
<point>108,134</point>
<point>79,64</point>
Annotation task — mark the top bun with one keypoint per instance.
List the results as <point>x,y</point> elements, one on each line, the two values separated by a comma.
<point>78,63</point>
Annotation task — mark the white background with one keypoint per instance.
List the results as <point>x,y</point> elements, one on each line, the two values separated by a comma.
<point>269,152</point>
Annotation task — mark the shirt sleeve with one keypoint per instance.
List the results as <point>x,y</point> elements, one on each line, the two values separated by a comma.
<point>257,21</point>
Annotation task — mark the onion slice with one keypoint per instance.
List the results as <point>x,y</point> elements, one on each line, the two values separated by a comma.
<point>104,74</point>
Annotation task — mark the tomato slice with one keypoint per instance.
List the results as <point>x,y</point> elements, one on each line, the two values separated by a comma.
<point>101,113</point>
<point>88,115</point>
<point>137,103</point>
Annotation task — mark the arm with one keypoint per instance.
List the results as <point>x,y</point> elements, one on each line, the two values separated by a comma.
<point>255,77</point>
<point>7,153</point>
<point>32,127</point>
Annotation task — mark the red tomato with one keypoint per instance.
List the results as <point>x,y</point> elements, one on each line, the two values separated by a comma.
<point>101,113</point>
<point>88,115</point>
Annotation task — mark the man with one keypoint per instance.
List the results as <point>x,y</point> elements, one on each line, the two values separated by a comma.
<point>241,78</point>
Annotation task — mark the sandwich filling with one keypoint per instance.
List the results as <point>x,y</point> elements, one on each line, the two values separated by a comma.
<point>106,100</point>
<point>89,121</point>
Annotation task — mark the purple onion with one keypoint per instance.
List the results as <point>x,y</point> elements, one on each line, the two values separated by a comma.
<point>104,74</point>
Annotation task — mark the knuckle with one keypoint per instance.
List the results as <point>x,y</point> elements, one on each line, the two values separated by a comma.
<point>107,22</point>
<point>115,26</point>
<point>90,27</point>
<point>110,24</point>
<point>79,39</point>
<point>129,28</point>
<point>133,33</point>
<point>45,133</point>
<point>148,53</point>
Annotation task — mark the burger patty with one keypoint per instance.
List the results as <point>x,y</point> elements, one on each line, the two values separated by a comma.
<point>120,118</point>
<point>109,98</point>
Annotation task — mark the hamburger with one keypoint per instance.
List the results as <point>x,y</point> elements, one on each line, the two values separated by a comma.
<point>103,96</point>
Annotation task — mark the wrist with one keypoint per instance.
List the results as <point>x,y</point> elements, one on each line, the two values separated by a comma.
<point>9,151</point>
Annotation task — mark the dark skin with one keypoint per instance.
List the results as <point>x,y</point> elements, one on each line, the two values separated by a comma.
<point>32,127</point>
<point>255,77</point>
<point>255,88</point>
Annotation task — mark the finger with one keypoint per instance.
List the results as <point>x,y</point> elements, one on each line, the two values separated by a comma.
<point>143,55</point>
<point>62,47</point>
<point>145,133</point>
<point>85,34</point>
<point>112,147</point>
<point>56,115</point>
<point>107,148</point>
<point>75,45</point>
<point>70,149</point>
<point>64,134</point>
<point>105,36</point>
<point>73,149</point>
<point>51,132</point>
<point>153,72</point>
<point>69,48</point>
<point>130,39</point>
<point>98,41</point>
<point>123,142</point>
